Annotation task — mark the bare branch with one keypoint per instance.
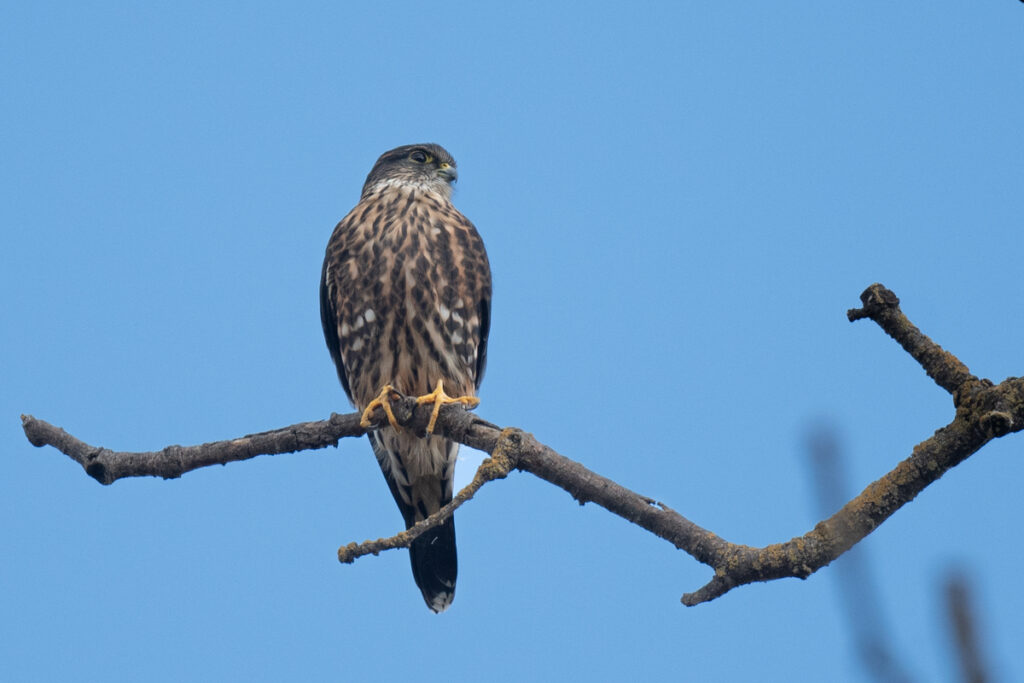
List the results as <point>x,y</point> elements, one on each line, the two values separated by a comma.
<point>495,467</point>
<point>882,306</point>
<point>107,466</point>
<point>983,411</point>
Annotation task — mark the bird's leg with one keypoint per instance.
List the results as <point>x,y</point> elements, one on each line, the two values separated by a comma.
<point>383,400</point>
<point>439,398</point>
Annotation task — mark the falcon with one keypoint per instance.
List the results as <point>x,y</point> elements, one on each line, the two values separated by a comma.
<point>405,301</point>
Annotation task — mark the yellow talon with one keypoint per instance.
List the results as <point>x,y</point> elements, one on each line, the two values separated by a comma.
<point>383,400</point>
<point>439,398</point>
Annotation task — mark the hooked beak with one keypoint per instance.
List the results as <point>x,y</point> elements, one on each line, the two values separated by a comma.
<point>448,172</point>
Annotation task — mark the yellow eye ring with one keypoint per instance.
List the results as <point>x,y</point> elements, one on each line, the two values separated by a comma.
<point>419,156</point>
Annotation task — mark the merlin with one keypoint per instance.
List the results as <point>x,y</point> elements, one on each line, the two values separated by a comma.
<point>405,301</point>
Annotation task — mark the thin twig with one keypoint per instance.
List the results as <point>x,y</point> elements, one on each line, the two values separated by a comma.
<point>497,466</point>
<point>882,306</point>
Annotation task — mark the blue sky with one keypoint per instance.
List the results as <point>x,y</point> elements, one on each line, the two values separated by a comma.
<point>680,201</point>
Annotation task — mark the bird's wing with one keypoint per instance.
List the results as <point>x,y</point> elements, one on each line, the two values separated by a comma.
<point>329,320</point>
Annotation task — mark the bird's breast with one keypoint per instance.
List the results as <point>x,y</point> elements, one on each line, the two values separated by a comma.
<point>408,315</point>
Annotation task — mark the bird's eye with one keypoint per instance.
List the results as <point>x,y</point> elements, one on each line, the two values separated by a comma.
<point>419,157</point>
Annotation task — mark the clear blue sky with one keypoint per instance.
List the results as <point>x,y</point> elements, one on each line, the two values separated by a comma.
<point>680,201</point>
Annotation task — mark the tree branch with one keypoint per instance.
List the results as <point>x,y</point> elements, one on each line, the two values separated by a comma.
<point>495,467</point>
<point>882,306</point>
<point>983,411</point>
<point>107,466</point>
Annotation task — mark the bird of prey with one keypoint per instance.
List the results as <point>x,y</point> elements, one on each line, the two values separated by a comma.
<point>405,301</point>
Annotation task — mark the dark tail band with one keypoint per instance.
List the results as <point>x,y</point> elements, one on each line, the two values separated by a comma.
<point>435,565</point>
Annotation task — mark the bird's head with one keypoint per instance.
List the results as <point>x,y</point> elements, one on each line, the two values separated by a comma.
<point>426,167</point>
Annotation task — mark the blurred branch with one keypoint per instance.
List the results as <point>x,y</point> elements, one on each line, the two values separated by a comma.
<point>983,411</point>
<point>962,618</point>
<point>858,593</point>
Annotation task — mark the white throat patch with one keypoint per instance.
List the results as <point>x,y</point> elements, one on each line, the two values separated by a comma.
<point>436,187</point>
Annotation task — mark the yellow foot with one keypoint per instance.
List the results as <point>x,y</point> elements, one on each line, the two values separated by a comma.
<point>383,400</point>
<point>439,398</point>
